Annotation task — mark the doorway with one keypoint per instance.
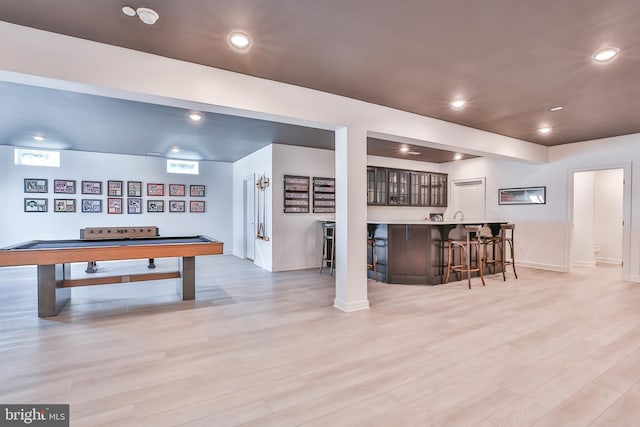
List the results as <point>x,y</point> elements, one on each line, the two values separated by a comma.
<point>468,197</point>
<point>249,217</point>
<point>599,235</point>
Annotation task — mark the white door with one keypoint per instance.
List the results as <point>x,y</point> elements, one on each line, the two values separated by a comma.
<point>468,196</point>
<point>249,218</point>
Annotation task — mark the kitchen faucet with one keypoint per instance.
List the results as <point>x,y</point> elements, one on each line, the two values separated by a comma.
<point>456,214</point>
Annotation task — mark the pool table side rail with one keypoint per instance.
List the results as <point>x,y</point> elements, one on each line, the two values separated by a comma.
<point>17,257</point>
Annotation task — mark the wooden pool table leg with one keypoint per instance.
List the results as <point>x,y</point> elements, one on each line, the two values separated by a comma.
<point>51,295</point>
<point>187,283</point>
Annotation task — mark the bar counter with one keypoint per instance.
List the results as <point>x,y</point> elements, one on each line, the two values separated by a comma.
<point>413,251</point>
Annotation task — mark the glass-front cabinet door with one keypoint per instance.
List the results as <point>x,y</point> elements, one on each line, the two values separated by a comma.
<point>371,186</point>
<point>376,186</point>
<point>398,187</point>
<point>420,183</point>
<point>438,190</point>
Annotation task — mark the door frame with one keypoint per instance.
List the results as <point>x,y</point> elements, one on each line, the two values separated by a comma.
<point>626,213</point>
<point>248,181</point>
<point>468,181</point>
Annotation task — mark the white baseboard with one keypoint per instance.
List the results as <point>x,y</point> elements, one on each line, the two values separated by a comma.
<point>634,278</point>
<point>541,266</point>
<point>349,307</point>
<point>578,263</point>
<point>602,260</point>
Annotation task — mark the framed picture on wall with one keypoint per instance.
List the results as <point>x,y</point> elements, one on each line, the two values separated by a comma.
<point>134,189</point>
<point>114,205</point>
<point>522,196</point>
<point>177,190</point>
<point>35,205</point>
<point>196,206</point>
<point>155,190</point>
<point>64,186</point>
<point>134,205</point>
<point>91,205</point>
<point>114,188</point>
<point>36,185</point>
<point>176,206</point>
<point>64,205</point>
<point>197,190</point>
<point>91,187</point>
<point>155,206</point>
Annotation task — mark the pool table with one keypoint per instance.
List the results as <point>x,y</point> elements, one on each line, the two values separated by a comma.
<point>53,258</point>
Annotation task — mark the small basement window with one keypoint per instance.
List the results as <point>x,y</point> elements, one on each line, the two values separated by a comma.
<point>182,166</point>
<point>30,157</point>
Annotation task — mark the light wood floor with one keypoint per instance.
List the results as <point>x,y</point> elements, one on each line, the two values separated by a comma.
<point>257,348</point>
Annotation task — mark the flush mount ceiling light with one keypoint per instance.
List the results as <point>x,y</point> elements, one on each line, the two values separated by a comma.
<point>558,108</point>
<point>413,153</point>
<point>544,130</point>
<point>195,117</point>
<point>606,55</point>
<point>458,156</point>
<point>404,149</point>
<point>175,150</point>
<point>146,15</point>
<point>458,104</point>
<point>38,137</point>
<point>239,40</point>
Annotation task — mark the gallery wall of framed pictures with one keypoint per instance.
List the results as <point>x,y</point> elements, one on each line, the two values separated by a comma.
<point>115,197</point>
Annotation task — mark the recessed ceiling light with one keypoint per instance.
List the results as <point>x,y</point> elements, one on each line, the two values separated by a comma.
<point>146,15</point>
<point>413,153</point>
<point>38,137</point>
<point>605,55</point>
<point>404,149</point>
<point>239,40</point>
<point>152,153</point>
<point>175,150</point>
<point>129,11</point>
<point>558,108</point>
<point>544,130</point>
<point>458,104</point>
<point>458,156</point>
<point>196,117</point>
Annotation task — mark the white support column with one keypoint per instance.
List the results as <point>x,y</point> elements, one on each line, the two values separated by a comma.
<point>351,219</point>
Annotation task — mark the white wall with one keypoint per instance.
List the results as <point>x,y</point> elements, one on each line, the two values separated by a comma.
<point>256,164</point>
<point>543,232</point>
<point>608,199</point>
<point>582,232</point>
<point>297,240</point>
<point>17,226</point>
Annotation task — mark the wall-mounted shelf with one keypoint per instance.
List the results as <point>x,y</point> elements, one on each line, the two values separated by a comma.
<point>296,194</point>
<point>324,195</point>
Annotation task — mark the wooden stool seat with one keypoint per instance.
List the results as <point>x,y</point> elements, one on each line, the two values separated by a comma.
<point>466,247</point>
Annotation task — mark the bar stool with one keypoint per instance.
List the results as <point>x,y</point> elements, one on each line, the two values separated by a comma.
<point>491,244</point>
<point>371,245</point>
<point>466,247</point>
<point>506,232</point>
<point>328,246</point>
